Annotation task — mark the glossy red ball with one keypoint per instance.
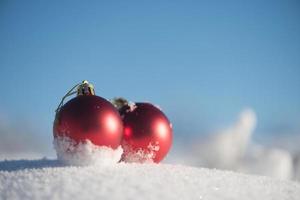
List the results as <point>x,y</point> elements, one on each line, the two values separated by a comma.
<point>146,128</point>
<point>89,117</point>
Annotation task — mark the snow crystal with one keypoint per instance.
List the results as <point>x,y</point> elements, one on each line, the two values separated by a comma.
<point>85,153</point>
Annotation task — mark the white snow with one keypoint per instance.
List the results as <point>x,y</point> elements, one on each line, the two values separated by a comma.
<point>233,149</point>
<point>49,179</point>
<point>132,106</point>
<point>139,155</point>
<point>85,153</point>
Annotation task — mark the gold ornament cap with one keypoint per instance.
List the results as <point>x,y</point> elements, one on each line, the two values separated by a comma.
<point>85,88</point>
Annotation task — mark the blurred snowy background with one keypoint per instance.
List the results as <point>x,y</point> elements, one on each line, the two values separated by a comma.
<point>227,74</point>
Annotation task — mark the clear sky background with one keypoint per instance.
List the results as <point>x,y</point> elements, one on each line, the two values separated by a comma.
<point>201,61</point>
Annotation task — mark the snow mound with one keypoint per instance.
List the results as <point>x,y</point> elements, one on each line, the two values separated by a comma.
<point>85,153</point>
<point>49,179</point>
<point>234,149</point>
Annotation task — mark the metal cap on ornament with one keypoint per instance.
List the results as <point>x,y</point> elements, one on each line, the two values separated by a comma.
<point>85,88</point>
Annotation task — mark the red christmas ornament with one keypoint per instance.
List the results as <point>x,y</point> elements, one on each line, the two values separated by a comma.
<point>88,117</point>
<point>147,131</point>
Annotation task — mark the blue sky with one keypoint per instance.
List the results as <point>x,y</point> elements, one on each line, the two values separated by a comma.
<point>201,61</point>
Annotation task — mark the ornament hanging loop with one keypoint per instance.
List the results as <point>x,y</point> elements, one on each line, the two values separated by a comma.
<point>83,88</point>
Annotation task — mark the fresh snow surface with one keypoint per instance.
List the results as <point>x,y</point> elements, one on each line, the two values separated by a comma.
<point>50,179</point>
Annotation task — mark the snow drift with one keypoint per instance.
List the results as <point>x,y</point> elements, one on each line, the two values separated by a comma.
<point>49,179</point>
<point>233,149</point>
